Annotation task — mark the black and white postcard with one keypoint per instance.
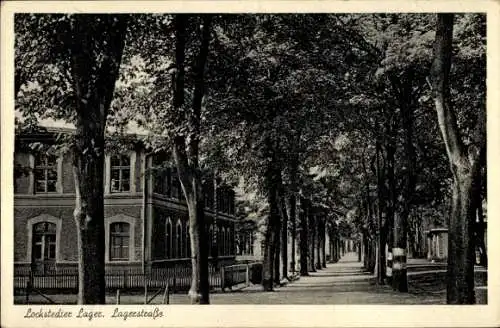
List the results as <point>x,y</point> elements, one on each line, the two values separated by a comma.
<point>330,157</point>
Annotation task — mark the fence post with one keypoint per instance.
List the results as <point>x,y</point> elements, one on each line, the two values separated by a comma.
<point>125,278</point>
<point>118,296</point>
<point>166,295</point>
<point>145,292</point>
<point>247,276</point>
<point>28,288</point>
<point>222,279</point>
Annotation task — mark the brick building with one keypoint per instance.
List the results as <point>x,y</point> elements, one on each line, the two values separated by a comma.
<point>146,220</point>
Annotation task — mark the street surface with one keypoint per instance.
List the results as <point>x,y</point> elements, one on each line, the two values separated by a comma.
<point>344,282</point>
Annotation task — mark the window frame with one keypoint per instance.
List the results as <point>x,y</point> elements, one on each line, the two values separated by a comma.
<point>44,241</point>
<point>57,167</point>
<point>168,238</point>
<point>120,168</point>
<point>179,252</point>
<point>222,241</point>
<point>210,240</point>
<point>187,239</point>
<point>131,245</point>
<point>122,235</point>
<point>30,234</point>
<point>132,172</point>
<point>229,241</point>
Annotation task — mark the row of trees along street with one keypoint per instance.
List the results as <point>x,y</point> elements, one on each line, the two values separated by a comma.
<point>337,124</point>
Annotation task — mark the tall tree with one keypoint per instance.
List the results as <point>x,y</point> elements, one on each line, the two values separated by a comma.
<point>94,92</point>
<point>465,162</point>
<point>186,154</point>
<point>303,236</point>
<point>79,62</point>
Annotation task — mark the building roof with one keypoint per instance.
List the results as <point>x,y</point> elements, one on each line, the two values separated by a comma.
<point>61,126</point>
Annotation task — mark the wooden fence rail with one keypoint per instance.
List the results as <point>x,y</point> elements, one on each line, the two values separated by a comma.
<point>237,274</point>
<point>178,278</point>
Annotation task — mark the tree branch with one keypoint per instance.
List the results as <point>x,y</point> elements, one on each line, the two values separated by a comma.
<point>199,89</point>
<point>440,72</point>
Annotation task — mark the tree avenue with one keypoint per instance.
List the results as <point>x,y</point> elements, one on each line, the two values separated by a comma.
<point>325,124</point>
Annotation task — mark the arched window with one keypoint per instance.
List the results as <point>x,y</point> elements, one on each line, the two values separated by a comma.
<point>216,240</point>
<point>188,242</point>
<point>250,243</point>
<point>168,239</point>
<point>178,240</point>
<point>44,242</point>
<point>240,241</point>
<point>222,241</point>
<point>211,240</point>
<point>229,242</point>
<point>119,236</point>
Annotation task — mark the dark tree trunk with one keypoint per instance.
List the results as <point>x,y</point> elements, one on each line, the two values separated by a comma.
<point>461,257</point>
<point>323,244</point>
<point>192,188</point>
<point>334,248</point>
<point>89,216</point>
<point>292,210</point>
<point>399,276</point>
<point>277,247</point>
<point>304,236</point>
<point>360,249</point>
<point>271,251</point>
<point>382,259</point>
<point>284,234</point>
<point>370,217</point>
<point>465,162</point>
<point>312,241</point>
<point>368,254</point>
<point>317,256</point>
<point>339,251</point>
<point>199,291</point>
<point>403,86</point>
<point>186,154</point>
<point>373,255</point>
<point>94,88</point>
<point>365,250</point>
<point>333,242</point>
<point>380,210</point>
<point>277,273</point>
<point>270,244</point>
<point>481,226</point>
<point>391,193</point>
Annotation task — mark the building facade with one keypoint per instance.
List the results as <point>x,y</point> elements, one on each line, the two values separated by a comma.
<point>146,219</point>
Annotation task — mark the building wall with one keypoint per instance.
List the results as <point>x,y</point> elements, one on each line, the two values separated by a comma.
<point>68,249</point>
<point>67,174</point>
<point>160,215</point>
<point>22,182</point>
<point>127,206</point>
